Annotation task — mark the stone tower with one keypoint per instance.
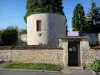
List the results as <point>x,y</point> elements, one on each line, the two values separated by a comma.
<point>45,28</point>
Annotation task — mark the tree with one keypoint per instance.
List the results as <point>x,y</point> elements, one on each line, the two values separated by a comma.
<point>97,17</point>
<point>22,31</point>
<point>93,18</point>
<point>91,13</point>
<point>0,37</point>
<point>43,6</point>
<point>66,29</point>
<point>9,35</point>
<point>57,6</point>
<point>30,7</point>
<point>78,19</point>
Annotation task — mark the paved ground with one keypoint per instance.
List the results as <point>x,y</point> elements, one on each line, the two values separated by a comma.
<point>68,72</point>
<point>3,64</point>
<point>65,71</point>
<point>76,71</point>
<point>98,73</point>
<point>5,72</point>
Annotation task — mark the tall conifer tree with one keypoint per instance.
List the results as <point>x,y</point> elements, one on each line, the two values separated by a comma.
<point>78,19</point>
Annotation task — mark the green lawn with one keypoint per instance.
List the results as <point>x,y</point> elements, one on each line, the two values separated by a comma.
<point>33,66</point>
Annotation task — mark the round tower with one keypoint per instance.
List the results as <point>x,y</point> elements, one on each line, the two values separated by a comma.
<point>45,28</point>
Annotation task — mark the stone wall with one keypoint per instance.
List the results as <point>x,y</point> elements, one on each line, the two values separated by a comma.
<point>52,56</point>
<point>5,55</point>
<point>64,44</point>
<point>87,55</point>
<point>84,47</point>
<point>90,55</point>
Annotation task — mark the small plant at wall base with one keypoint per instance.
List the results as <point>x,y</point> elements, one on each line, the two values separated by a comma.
<point>95,65</point>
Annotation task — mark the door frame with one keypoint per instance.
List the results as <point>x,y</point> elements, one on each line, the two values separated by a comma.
<point>79,54</point>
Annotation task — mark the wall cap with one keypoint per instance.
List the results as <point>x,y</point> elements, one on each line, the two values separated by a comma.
<point>32,47</point>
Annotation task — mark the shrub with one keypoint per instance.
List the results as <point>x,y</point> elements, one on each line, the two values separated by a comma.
<point>22,31</point>
<point>1,31</point>
<point>9,35</point>
<point>95,65</point>
<point>0,38</point>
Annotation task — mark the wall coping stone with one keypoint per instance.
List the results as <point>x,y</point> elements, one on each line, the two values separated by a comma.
<point>74,37</point>
<point>27,47</point>
<point>96,47</point>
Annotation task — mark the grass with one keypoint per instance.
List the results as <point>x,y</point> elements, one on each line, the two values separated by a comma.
<point>33,66</point>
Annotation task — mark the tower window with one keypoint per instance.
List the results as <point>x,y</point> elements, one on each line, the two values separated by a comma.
<point>38,25</point>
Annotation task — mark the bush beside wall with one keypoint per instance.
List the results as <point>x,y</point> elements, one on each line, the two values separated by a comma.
<point>95,65</point>
<point>9,36</point>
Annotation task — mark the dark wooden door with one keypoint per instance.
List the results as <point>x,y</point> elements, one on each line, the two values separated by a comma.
<point>73,55</point>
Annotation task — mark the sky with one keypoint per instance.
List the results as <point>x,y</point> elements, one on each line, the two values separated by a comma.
<point>12,12</point>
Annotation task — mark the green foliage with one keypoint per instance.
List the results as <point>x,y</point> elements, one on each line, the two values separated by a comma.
<point>88,24</point>
<point>0,37</point>
<point>34,66</point>
<point>9,35</point>
<point>91,12</point>
<point>22,31</point>
<point>78,19</point>
<point>43,6</point>
<point>87,28</point>
<point>95,65</point>
<point>66,29</point>
<point>93,18</point>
